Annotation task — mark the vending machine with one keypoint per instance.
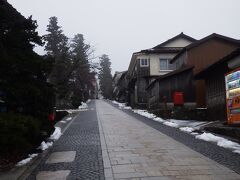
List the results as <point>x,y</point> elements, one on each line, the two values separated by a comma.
<point>232,81</point>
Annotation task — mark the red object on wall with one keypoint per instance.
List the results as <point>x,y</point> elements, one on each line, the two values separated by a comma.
<point>178,98</point>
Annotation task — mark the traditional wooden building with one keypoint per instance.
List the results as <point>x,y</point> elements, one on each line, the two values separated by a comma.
<point>163,88</point>
<point>201,54</point>
<point>214,77</point>
<point>147,65</point>
<point>120,86</point>
<point>191,60</point>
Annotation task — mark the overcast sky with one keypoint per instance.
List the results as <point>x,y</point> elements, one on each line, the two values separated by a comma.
<point>120,27</point>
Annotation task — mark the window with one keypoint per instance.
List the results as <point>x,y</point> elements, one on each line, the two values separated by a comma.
<point>144,62</point>
<point>165,64</point>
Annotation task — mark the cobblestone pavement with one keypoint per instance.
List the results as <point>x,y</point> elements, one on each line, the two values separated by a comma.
<point>78,152</point>
<point>139,150</point>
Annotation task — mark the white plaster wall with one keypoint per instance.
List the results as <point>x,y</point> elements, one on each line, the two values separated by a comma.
<point>178,43</point>
<point>155,63</point>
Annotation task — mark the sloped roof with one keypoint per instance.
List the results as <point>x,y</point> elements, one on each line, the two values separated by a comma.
<point>118,75</point>
<point>181,35</point>
<point>162,50</point>
<point>225,59</point>
<point>175,72</point>
<point>203,40</point>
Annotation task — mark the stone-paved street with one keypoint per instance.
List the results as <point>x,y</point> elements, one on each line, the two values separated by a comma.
<point>107,143</point>
<point>139,151</point>
<point>77,154</point>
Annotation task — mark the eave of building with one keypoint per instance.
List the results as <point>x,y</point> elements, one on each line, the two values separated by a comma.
<point>202,74</point>
<point>173,73</point>
<point>203,40</point>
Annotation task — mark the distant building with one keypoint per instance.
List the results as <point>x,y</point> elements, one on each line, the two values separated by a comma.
<point>120,86</point>
<point>147,65</point>
<point>93,89</point>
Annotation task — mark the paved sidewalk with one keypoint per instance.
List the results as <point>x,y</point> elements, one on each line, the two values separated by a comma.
<point>77,154</point>
<point>134,150</point>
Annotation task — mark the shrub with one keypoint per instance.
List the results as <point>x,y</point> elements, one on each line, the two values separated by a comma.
<point>188,113</point>
<point>18,134</point>
<point>60,115</point>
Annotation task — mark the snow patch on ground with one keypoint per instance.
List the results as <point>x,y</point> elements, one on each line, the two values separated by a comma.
<point>63,122</point>
<point>27,160</point>
<point>56,134</point>
<point>237,151</point>
<point>88,101</point>
<point>158,119</point>
<point>127,107</point>
<point>194,133</point>
<point>83,106</point>
<point>187,129</point>
<point>144,113</point>
<point>120,105</point>
<point>45,145</point>
<point>69,119</point>
<point>171,124</point>
<point>222,142</point>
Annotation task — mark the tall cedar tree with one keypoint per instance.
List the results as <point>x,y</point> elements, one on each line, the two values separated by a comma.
<point>81,75</point>
<point>57,48</point>
<point>23,73</point>
<point>105,77</point>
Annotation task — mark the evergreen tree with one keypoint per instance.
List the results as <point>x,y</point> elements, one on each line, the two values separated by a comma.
<point>23,73</point>
<point>81,75</point>
<point>57,47</point>
<point>105,77</point>
<point>56,41</point>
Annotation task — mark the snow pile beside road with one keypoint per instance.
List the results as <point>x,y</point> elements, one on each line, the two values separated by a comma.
<point>83,106</point>
<point>158,119</point>
<point>171,124</point>
<point>69,119</point>
<point>45,145</point>
<point>127,107</point>
<point>144,113</point>
<point>56,134</point>
<point>88,101</point>
<point>121,105</point>
<point>27,160</point>
<point>188,127</point>
<point>222,142</point>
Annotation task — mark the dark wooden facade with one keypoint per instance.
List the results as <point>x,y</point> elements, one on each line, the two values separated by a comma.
<point>202,54</point>
<point>214,77</point>
<point>216,94</point>
<point>165,86</point>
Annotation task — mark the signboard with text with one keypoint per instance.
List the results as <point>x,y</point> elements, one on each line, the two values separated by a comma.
<point>232,81</point>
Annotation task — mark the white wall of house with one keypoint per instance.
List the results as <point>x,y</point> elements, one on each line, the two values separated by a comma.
<point>155,58</point>
<point>180,42</point>
<point>155,63</point>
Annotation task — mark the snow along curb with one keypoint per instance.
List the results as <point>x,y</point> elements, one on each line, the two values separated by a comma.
<point>220,141</point>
